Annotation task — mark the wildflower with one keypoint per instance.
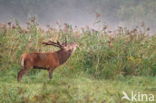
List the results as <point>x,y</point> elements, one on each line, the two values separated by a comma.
<point>9,23</point>
<point>148,29</point>
<point>13,27</point>
<point>105,27</point>
<point>98,15</point>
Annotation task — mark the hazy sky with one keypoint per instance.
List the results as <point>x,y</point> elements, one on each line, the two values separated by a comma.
<point>49,11</point>
<point>80,12</point>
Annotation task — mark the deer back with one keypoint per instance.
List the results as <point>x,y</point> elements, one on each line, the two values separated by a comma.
<point>45,60</point>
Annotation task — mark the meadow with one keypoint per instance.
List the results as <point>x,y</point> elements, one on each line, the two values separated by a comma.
<point>107,63</point>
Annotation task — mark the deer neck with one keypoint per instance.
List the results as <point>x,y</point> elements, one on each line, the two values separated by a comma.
<point>63,55</point>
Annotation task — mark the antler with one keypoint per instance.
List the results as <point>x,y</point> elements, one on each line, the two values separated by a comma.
<point>65,42</point>
<point>57,44</point>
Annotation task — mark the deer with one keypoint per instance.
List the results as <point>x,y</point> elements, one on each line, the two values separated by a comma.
<point>47,61</point>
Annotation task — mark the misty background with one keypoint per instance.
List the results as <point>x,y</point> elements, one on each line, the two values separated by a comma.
<point>81,12</point>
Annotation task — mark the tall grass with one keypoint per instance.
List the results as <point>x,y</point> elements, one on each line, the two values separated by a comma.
<point>102,54</point>
<point>107,63</point>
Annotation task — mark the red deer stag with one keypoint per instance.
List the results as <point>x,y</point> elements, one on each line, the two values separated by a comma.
<point>48,61</point>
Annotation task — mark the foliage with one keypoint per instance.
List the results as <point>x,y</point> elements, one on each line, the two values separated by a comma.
<point>106,63</point>
<point>103,53</point>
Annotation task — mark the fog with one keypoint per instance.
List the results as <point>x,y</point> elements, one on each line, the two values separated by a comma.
<point>81,12</point>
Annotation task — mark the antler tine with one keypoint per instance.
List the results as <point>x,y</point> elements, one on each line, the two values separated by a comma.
<point>57,43</point>
<point>65,41</point>
<point>52,43</point>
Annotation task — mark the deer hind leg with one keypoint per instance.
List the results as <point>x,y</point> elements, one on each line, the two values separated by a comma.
<point>21,73</point>
<point>26,66</point>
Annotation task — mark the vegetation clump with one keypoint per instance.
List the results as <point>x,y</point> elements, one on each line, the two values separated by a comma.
<point>125,56</point>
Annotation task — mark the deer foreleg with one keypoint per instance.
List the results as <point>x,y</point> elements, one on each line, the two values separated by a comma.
<point>50,73</point>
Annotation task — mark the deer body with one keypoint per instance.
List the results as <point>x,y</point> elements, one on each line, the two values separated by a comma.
<point>47,61</point>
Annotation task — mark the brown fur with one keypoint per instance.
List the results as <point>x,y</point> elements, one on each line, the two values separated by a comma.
<point>48,61</point>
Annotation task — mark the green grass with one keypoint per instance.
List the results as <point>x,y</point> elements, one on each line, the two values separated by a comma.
<point>69,87</point>
<point>64,88</point>
<point>105,65</point>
